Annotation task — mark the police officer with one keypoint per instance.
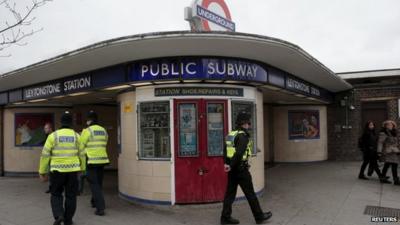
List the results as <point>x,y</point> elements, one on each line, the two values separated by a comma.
<point>94,142</point>
<point>236,153</point>
<point>62,157</point>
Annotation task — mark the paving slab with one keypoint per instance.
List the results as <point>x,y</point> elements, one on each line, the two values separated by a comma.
<point>326,193</point>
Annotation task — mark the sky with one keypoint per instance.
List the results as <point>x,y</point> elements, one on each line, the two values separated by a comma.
<point>344,35</point>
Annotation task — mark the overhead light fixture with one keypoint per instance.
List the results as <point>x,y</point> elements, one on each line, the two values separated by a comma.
<point>312,99</point>
<point>284,91</point>
<point>233,82</point>
<point>167,82</point>
<point>38,100</point>
<point>18,103</point>
<point>117,87</point>
<point>57,97</point>
<point>299,95</point>
<point>191,81</point>
<point>79,93</point>
<point>140,84</point>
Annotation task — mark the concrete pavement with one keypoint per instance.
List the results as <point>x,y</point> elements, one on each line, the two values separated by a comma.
<point>326,193</point>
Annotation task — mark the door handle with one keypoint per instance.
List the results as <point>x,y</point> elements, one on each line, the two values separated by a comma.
<point>202,170</point>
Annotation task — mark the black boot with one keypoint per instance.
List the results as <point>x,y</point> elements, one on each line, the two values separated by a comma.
<point>370,171</point>
<point>68,222</point>
<point>362,177</point>
<point>264,217</point>
<point>396,181</point>
<point>58,220</point>
<point>384,180</point>
<point>99,212</point>
<point>229,220</point>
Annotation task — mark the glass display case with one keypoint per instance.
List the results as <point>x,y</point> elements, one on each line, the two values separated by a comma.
<point>215,129</point>
<point>154,130</point>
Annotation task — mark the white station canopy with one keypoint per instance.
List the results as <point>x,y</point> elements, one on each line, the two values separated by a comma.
<point>275,52</point>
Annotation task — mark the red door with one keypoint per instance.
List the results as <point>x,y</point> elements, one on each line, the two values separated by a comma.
<point>200,128</point>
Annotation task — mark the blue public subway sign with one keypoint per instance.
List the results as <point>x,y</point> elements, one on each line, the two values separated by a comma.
<point>198,69</point>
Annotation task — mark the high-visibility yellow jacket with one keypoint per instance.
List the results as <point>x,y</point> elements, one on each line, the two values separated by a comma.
<point>230,145</point>
<point>94,142</point>
<point>61,153</point>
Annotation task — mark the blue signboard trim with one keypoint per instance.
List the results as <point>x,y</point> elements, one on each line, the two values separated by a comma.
<point>15,96</point>
<point>109,77</point>
<point>3,98</point>
<point>175,69</point>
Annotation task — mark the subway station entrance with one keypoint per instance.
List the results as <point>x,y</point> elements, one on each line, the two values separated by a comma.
<point>168,109</point>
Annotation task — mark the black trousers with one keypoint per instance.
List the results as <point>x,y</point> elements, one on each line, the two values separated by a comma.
<point>95,176</point>
<point>81,183</point>
<point>394,170</point>
<point>243,179</point>
<point>370,159</point>
<point>67,183</point>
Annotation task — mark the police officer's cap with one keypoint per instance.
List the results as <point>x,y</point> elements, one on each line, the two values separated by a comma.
<point>242,118</point>
<point>66,119</point>
<point>92,115</point>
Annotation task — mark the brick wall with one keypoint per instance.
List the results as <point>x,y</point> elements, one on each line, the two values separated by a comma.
<point>342,143</point>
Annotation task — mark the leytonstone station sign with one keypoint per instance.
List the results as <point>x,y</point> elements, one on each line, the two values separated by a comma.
<point>59,87</point>
<point>209,15</point>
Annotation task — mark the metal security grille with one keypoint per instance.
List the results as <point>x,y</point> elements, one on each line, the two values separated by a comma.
<point>381,211</point>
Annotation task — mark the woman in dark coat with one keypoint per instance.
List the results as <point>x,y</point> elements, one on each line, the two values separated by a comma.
<point>388,147</point>
<point>368,144</point>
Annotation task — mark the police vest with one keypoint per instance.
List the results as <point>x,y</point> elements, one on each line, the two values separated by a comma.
<point>95,148</point>
<point>230,145</point>
<point>64,152</point>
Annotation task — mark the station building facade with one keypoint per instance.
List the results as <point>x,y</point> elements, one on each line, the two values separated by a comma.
<point>167,101</point>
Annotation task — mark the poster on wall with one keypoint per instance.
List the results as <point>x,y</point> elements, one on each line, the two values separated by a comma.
<point>187,130</point>
<point>215,113</point>
<point>31,129</point>
<point>304,124</point>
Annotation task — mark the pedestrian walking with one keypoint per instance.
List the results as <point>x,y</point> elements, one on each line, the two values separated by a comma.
<point>388,148</point>
<point>368,146</point>
<point>62,158</point>
<point>237,151</point>
<point>94,143</point>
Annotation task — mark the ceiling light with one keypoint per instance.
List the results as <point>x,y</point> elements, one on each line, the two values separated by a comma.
<point>38,100</point>
<point>117,87</point>
<point>79,93</point>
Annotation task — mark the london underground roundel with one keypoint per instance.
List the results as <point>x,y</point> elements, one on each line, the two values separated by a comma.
<point>212,15</point>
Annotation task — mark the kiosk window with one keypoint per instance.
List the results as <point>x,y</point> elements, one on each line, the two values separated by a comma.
<point>249,107</point>
<point>215,129</point>
<point>154,130</point>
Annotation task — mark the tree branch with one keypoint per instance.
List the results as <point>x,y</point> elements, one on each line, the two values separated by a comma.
<point>12,34</point>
